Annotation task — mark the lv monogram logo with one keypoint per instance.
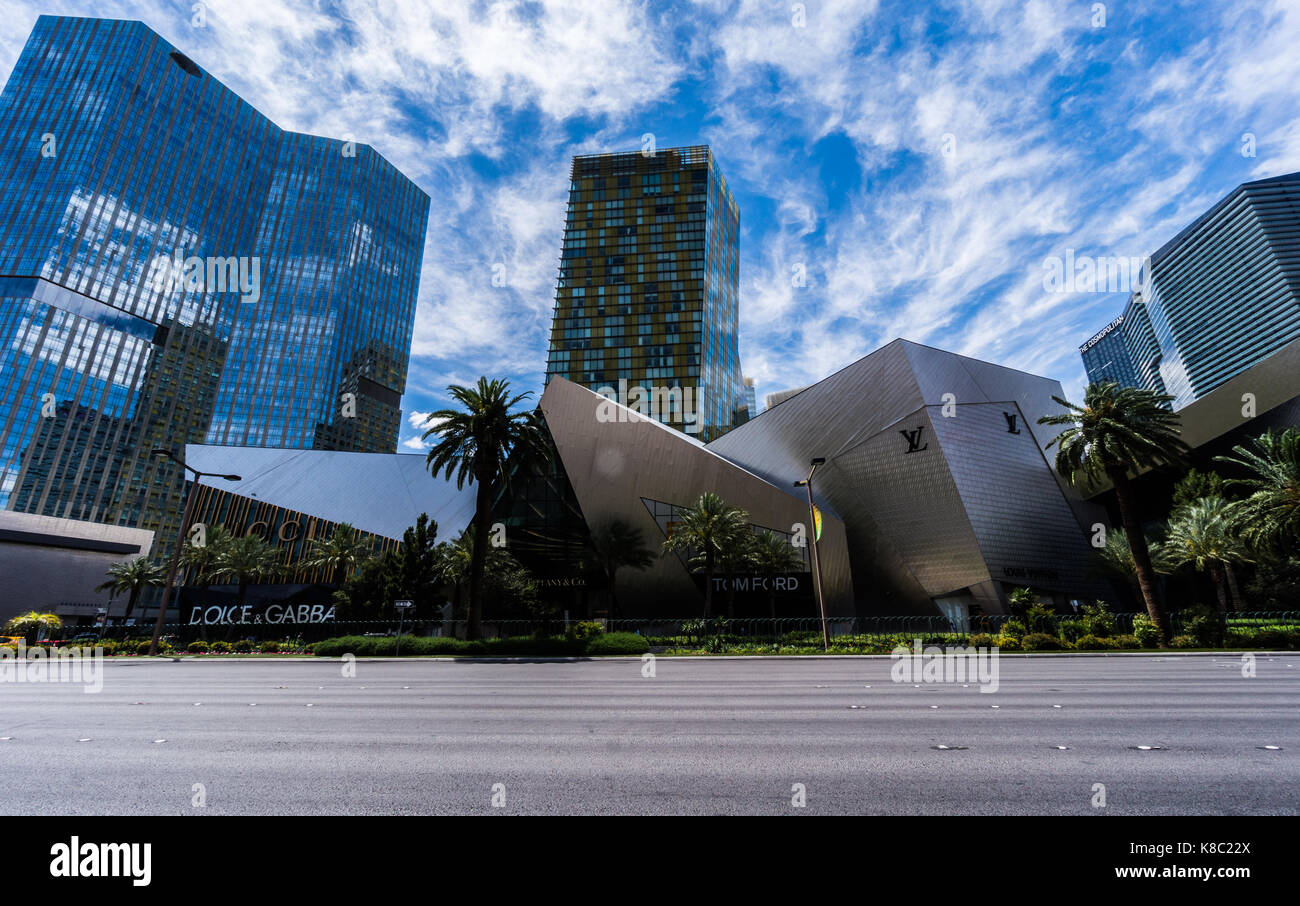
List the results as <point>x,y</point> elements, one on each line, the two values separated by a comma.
<point>1011,422</point>
<point>914,440</point>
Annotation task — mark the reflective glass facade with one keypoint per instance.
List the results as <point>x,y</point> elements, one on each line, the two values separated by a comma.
<point>648,290</point>
<point>175,268</point>
<point>1106,357</point>
<point>1223,294</point>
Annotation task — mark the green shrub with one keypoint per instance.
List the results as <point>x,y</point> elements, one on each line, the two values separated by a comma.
<point>386,646</point>
<point>618,643</point>
<point>1039,620</point>
<point>1073,630</point>
<point>1098,620</point>
<point>1206,631</point>
<point>587,629</point>
<point>1272,639</point>
<point>197,647</point>
<point>527,646</point>
<point>110,647</point>
<point>982,640</point>
<point>269,647</point>
<point>1182,641</point>
<point>1127,642</point>
<point>1093,643</point>
<point>1041,641</point>
<point>1007,643</point>
<point>1013,628</point>
<point>334,647</point>
<point>220,648</point>
<point>243,646</point>
<point>440,645</point>
<point>1145,631</point>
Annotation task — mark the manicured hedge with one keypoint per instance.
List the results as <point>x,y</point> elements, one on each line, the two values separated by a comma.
<point>519,646</point>
<point>618,643</point>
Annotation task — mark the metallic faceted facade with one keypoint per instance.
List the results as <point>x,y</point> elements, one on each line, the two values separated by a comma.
<point>1220,296</point>
<point>642,472</point>
<point>935,464</point>
<point>122,164</point>
<point>648,289</point>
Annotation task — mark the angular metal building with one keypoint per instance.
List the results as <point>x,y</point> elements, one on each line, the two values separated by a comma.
<point>936,495</point>
<point>639,471</point>
<point>935,463</point>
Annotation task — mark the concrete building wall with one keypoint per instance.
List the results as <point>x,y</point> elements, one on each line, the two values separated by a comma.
<point>53,565</point>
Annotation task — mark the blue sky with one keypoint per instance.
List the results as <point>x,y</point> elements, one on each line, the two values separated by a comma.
<point>919,161</point>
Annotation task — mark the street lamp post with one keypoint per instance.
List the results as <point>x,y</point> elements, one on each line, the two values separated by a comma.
<point>816,560</point>
<point>180,540</point>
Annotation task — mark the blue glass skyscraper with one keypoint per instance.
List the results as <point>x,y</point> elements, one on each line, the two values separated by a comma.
<point>174,268</point>
<point>1106,357</point>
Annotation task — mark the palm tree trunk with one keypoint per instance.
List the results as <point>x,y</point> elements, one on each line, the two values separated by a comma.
<point>613,594</point>
<point>130,604</point>
<point>771,598</point>
<point>1141,556</point>
<point>1221,589</point>
<point>1233,590</point>
<point>708,587</point>
<point>478,560</point>
<point>731,595</point>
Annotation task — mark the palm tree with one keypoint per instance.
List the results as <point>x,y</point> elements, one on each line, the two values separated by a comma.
<point>31,624</point>
<point>132,576</point>
<point>454,558</point>
<point>616,545</point>
<point>771,555</point>
<point>340,553</point>
<point>1270,516</point>
<point>734,559</point>
<point>1118,431</point>
<point>201,560</point>
<point>1117,555</point>
<point>1201,536</point>
<point>709,532</point>
<point>247,559</point>
<point>484,441</point>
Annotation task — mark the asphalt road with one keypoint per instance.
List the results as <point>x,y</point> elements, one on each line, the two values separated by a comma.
<point>704,736</point>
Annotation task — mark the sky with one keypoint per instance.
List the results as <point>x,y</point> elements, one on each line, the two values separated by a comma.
<point>903,169</point>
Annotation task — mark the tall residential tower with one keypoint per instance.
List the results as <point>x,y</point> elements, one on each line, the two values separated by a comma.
<point>648,290</point>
